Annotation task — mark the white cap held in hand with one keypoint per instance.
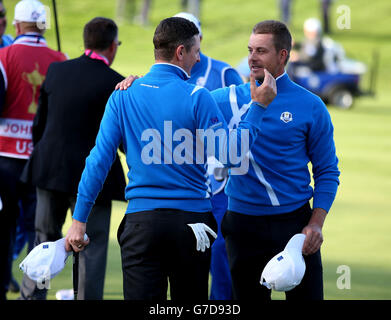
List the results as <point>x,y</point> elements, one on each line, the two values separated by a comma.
<point>286,269</point>
<point>46,260</point>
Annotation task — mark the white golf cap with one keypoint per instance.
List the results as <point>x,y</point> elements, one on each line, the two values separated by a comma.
<point>286,269</point>
<point>46,260</point>
<point>30,11</point>
<point>313,25</point>
<point>191,18</point>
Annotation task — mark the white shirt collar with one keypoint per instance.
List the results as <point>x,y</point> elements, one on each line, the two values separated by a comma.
<point>280,76</point>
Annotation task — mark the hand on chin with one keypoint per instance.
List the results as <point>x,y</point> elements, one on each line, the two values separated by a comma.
<point>259,74</point>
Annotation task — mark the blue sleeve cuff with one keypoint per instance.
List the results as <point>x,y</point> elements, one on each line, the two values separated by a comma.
<point>256,103</point>
<point>323,200</point>
<point>82,209</point>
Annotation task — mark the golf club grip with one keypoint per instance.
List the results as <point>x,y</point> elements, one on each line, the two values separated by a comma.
<point>75,277</point>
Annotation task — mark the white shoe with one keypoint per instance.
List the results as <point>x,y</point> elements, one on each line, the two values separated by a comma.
<point>64,294</point>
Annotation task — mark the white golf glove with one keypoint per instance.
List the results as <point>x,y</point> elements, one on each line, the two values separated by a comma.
<point>200,230</point>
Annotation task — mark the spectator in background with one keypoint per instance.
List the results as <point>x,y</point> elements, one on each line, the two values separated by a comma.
<point>286,11</point>
<point>5,39</point>
<point>126,10</point>
<point>23,68</point>
<point>311,51</point>
<point>325,8</point>
<point>72,103</point>
<point>321,53</point>
<point>192,6</point>
<point>143,17</point>
<point>213,74</point>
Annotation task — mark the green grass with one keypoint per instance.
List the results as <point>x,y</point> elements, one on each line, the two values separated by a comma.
<point>357,230</point>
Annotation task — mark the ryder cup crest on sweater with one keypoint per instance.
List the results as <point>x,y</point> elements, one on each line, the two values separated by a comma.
<point>286,117</point>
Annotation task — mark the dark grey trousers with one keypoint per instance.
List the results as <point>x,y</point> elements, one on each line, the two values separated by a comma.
<point>52,207</point>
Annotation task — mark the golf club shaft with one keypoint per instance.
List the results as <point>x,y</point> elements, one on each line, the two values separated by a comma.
<point>56,23</point>
<point>75,274</point>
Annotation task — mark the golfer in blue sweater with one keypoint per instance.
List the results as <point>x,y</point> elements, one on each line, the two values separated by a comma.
<point>270,204</point>
<point>161,120</point>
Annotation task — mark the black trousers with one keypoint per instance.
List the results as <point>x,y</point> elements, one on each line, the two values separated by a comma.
<point>15,197</point>
<point>157,246</point>
<point>52,207</point>
<point>252,241</point>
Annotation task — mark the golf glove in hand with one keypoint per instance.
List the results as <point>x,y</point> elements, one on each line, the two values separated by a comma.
<point>200,231</point>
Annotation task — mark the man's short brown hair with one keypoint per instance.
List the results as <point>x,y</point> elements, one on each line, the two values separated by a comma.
<point>281,36</point>
<point>171,33</point>
<point>99,33</point>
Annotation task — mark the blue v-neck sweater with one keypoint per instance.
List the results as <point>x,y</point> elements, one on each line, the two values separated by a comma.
<point>296,130</point>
